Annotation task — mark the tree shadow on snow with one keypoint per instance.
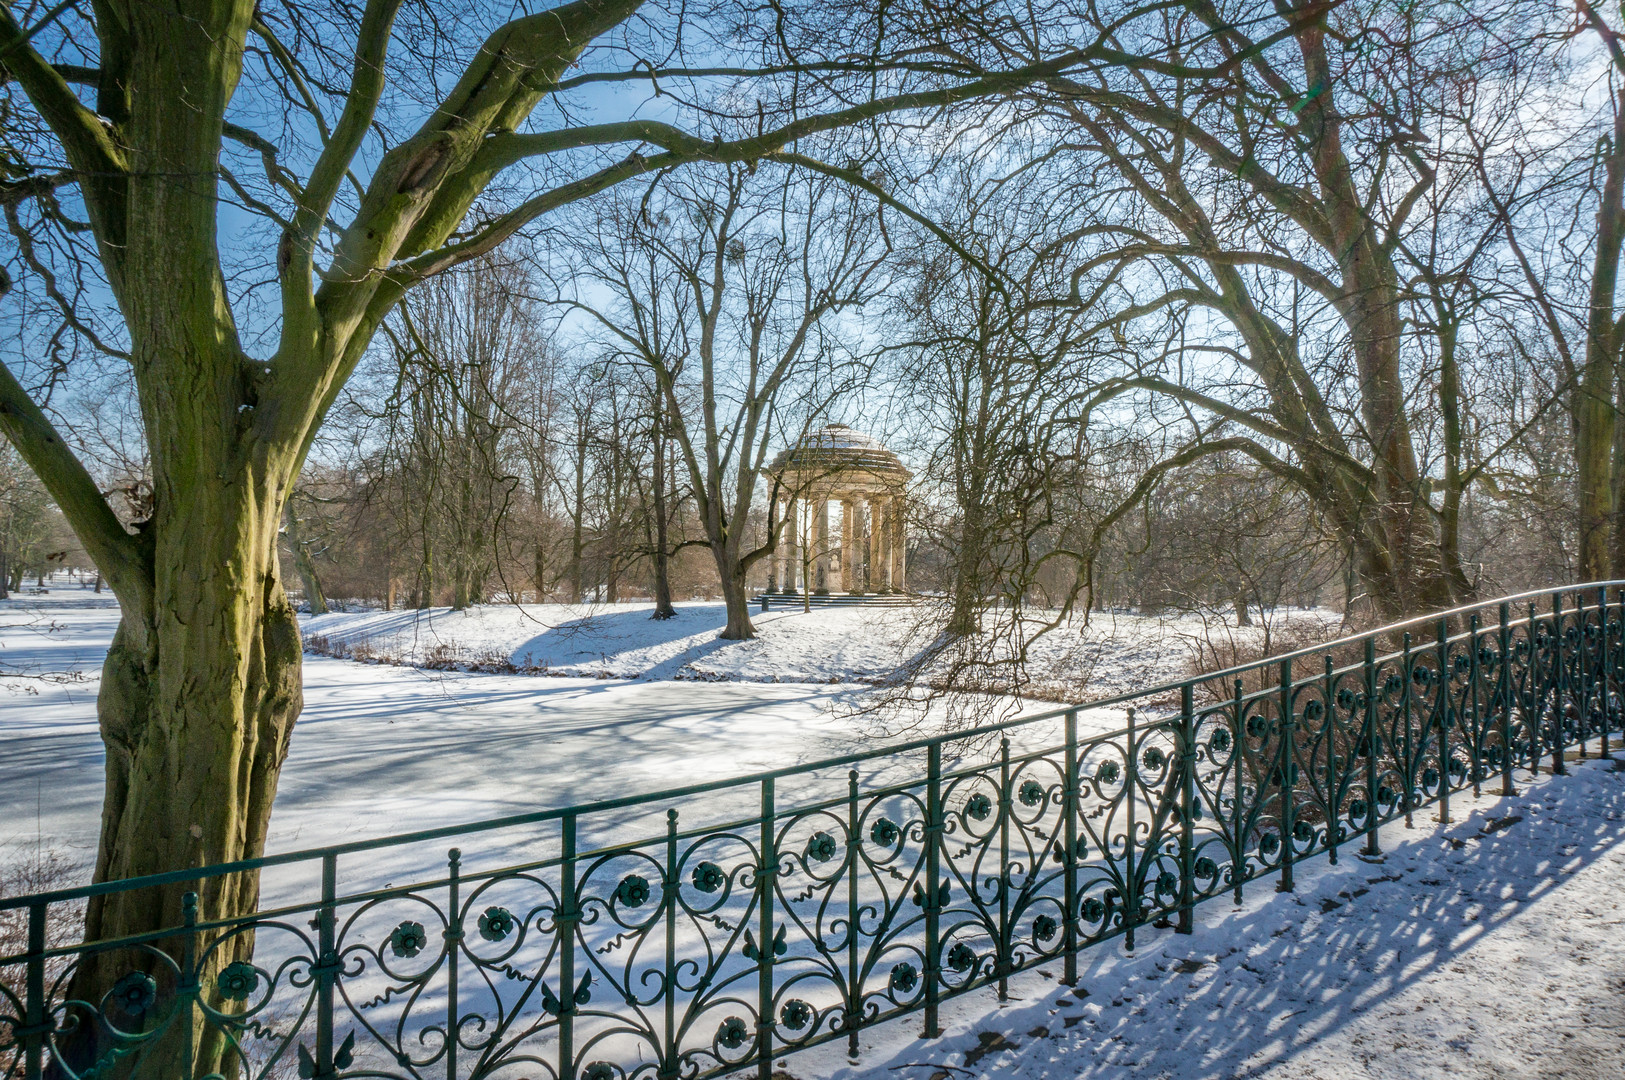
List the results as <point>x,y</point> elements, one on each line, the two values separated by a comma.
<point>607,634</point>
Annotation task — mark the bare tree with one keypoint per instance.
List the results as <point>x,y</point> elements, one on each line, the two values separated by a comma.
<point>1248,180</point>
<point>725,284</point>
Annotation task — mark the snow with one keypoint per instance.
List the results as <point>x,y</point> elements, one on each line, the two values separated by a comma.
<point>622,641</point>
<point>1492,947</point>
<point>382,749</point>
<point>1113,653</point>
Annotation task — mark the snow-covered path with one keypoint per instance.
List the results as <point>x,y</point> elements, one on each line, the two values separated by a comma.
<point>1491,949</point>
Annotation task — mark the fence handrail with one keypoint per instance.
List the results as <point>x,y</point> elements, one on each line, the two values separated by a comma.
<point>532,817</point>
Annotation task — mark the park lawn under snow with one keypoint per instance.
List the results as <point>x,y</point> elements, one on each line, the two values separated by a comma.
<point>1112,654</point>
<point>1490,948</point>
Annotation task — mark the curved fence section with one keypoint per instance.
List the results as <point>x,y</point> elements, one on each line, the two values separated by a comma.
<point>710,929</point>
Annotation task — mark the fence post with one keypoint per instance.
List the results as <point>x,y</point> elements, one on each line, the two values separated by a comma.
<point>1582,675</point>
<point>853,1015</point>
<point>1238,862</point>
<point>1596,672</point>
<point>1408,766</point>
<point>764,929</point>
<point>1559,672</point>
<point>1442,710</point>
<point>1610,686</point>
<point>1131,891</point>
<point>1475,740</point>
<point>1334,766</point>
<point>1591,665</point>
<point>1373,813</point>
<point>1187,809</point>
<point>327,965</point>
<point>1006,931</point>
<point>1069,854</point>
<point>454,945</point>
<point>1503,696</point>
<point>1288,785</point>
<point>1606,667</point>
<point>668,1058</point>
<point>934,818</point>
<point>1534,698</point>
<point>187,982</point>
<point>565,921</point>
<point>34,1025</point>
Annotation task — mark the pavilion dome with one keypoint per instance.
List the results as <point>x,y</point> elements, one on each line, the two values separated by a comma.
<point>837,448</point>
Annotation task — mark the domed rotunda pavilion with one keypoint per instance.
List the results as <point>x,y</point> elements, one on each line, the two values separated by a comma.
<point>839,464</point>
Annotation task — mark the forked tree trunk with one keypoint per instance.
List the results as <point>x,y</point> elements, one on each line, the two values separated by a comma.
<point>965,614</point>
<point>201,684</point>
<point>198,700</point>
<point>305,566</point>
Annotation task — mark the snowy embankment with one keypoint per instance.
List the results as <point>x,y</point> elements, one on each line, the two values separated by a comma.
<point>1112,654</point>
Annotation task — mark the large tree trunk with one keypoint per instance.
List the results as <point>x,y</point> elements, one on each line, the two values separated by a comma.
<point>201,684</point>
<point>735,594</point>
<point>662,530</point>
<point>199,696</point>
<point>539,572</point>
<point>1602,536</point>
<point>965,615</point>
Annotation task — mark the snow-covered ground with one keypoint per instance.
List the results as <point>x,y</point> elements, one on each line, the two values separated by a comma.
<point>1493,948</point>
<point>1111,654</point>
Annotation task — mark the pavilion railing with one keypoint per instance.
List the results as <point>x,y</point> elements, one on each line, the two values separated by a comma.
<point>779,911</point>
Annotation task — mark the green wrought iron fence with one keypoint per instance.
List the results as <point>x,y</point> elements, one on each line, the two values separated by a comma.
<point>783,910</point>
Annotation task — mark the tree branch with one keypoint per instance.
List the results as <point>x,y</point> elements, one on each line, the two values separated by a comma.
<point>121,556</point>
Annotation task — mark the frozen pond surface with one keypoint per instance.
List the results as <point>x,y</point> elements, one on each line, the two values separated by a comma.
<point>383,749</point>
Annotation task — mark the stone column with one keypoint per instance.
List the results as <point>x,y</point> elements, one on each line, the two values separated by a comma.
<point>849,549</point>
<point>875,578</point>
<point>883,527</point>
<point>821,546</point>
<point>792,558</point>
<point>899,551</point>
<point>774,558</point>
